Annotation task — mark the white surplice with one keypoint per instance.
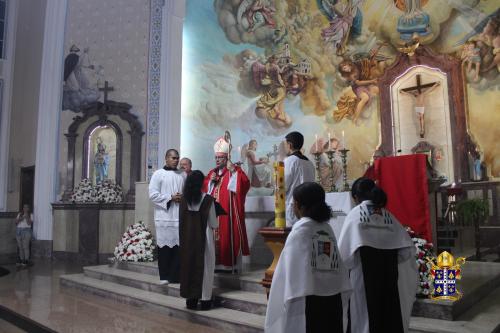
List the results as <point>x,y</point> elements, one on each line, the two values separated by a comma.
<point>162,186</point>
<point>303,270</point>
<point>380,231</point>
<point>297,171</point>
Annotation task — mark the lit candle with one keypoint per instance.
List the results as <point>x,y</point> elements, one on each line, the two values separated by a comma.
<point>453,184</point>
<point>343,140</point>
<point>329,141</point>
<point>316,142</point>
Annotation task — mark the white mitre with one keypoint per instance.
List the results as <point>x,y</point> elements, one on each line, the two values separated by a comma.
<point>221,147</point>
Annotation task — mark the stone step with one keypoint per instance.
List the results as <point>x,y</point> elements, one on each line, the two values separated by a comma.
<point>231,299</point>
<point>249,280</point>
<point>227,320</point>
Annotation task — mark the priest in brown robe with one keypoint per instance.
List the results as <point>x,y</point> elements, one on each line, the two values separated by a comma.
<point>197,220</point>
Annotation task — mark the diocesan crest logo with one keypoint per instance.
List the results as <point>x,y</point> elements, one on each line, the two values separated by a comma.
<point>445,272</point>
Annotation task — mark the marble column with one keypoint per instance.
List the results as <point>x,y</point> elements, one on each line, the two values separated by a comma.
<point>49,110</point>
<point>170,78</point>
<point>6,96</point>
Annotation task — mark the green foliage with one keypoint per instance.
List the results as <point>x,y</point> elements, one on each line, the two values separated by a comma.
<point>470,210</point>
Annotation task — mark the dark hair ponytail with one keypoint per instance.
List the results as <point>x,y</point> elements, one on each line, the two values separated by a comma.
<point>310,197</point>
<point>366,189</point>
<point>192,187</point>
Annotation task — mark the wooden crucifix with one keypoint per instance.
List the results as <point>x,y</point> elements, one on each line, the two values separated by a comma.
<point>419,85</point>
<point>106,89</point>
<point>419,92</point>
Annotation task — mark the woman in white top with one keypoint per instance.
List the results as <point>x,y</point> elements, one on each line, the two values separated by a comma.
<point>310,287</point>
<point>24,222</point>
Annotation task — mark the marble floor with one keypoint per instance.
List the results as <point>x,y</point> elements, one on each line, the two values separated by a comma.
<point>35,293</point>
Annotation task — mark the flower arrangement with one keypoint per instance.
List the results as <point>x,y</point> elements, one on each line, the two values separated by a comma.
<point>423,251</point>
<point>108,192</point>
<point>84,192</point>
<point>103,192</point>
<point>137,244</point>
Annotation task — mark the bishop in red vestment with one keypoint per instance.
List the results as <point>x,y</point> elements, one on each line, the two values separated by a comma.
<point>228,183</point>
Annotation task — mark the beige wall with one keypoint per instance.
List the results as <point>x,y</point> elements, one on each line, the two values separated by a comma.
<point>25,92</point>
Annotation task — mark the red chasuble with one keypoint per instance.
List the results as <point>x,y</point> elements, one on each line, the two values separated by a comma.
<point>221,195</point>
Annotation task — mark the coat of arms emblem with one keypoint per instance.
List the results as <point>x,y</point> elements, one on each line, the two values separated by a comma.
<point>445,272</point>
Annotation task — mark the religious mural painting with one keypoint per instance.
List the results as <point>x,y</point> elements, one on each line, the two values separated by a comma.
<point>82,77</point>
<point>262,68</point>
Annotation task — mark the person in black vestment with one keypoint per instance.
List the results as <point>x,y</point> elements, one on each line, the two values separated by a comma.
<point>197,219</point>
<point>381,257</point>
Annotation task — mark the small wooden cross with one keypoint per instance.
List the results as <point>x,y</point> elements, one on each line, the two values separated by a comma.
<point>419,85</point>
<point>106,89</point>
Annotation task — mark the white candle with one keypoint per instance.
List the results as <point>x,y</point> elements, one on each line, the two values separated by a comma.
<point>316,142</point>
<point>343,140</point>
<point>329,141</point>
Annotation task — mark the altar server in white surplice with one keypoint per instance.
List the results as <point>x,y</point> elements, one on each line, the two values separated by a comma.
<point>381,257</point>
<point>310,287</point>
<point>165,188</point>
<point>298,170</point>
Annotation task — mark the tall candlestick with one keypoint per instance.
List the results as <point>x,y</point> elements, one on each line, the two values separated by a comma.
<point>316,142</point>
<point>343,155</point>
<point>331,154</point>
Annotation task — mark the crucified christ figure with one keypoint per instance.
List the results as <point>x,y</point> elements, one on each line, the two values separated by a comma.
<point>418,93</point>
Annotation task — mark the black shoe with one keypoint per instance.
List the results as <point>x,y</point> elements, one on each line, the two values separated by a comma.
<point>206,305</point>
<point>191,303</point>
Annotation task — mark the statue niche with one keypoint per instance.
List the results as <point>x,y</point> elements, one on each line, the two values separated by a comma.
<point>98,150</point>
<point>444,124</point>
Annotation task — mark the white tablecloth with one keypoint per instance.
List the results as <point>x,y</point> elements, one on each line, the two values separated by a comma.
<point>340,202</point>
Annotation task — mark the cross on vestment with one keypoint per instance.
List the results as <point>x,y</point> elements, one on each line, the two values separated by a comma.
<point>419,85</point>
<point>106,89</point>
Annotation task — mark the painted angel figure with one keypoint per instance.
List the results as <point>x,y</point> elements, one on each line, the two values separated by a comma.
<point>253,14</point>
<point>361,74</point>
<point>258,171</point>
<point>268,79</point>
<point>346,22</point>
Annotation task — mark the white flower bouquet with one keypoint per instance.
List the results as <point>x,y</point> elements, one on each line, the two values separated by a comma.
<point>108,192</point>
<point>103,192</point>
<point>137,244</point>
<point>84,192</point>
<point>423,251</point>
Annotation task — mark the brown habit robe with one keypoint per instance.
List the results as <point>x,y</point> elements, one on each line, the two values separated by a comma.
<point>192,238</point>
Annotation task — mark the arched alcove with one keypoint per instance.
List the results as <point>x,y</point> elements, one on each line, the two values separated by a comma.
<point>117,117</point>
<point>446,70</point>
<point>111,145</point>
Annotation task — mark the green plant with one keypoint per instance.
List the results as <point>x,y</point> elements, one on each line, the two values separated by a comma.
<point>474,211</point>
<point>471,210</point>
